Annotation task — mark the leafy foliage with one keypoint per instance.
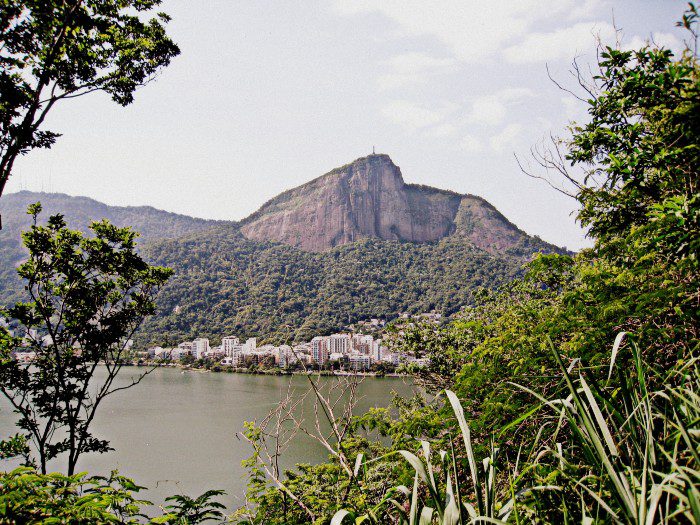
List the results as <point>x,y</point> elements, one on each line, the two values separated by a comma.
<point>14,446</point>
<point>185,510</point>
<point>88,296</point>
<point>29,497</point>
<point>322,488</point>
<point>641,147</point>
<point>630,457</point>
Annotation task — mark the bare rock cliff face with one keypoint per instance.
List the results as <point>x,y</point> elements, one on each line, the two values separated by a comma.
<point>368,198</point>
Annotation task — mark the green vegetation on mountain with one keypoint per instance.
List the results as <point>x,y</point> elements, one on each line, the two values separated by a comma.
<point>225,283</point>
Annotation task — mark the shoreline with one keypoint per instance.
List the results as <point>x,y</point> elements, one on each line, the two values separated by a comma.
<point>269,372</point>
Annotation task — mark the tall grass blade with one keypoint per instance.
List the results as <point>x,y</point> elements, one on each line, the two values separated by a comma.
<point>619,338</point>
<point>339,516</point>
<point>466,436</point>
<point>426,516</point>
<point>413,514</point>
<point>600,419</point>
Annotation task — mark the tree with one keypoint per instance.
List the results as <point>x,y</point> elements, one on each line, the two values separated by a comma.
<point>640,149</point>
<point>53,50</point>
<point>187,510</point>
<point>88,295</point>
<point>638,193</point>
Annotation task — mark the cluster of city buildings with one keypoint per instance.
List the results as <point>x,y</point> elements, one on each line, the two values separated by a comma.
<point>348,351</point>
<point>344,351</point>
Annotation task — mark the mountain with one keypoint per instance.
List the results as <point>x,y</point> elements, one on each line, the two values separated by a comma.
<point>152,225</point>
<point>150,222</point>
<point>355,243</point>
<point>368,198</point>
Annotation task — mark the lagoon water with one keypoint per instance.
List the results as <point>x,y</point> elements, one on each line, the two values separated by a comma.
<point>176,433</point>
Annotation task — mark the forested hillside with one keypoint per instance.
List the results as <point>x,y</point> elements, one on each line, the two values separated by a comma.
<point>225,283</point>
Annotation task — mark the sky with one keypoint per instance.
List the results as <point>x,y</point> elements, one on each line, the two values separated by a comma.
<point>269,95</point>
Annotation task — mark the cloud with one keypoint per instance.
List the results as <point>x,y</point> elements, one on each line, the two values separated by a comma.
<point>473,30</point>
<point>560,44</point>
<point>666,40</point>
<point>507,138</point>
<point>411,68</point>
<point>472,144</point>
<point>441,131</point>
<point>413,116</point>
<point>492,109</point>
<point>587,9</point>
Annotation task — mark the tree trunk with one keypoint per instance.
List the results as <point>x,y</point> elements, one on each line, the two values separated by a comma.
<point>42,460</point>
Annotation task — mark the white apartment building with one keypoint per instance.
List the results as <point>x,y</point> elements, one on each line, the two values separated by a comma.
<point>227,344</point>
<point>167,353</point>
<point>185,348</point>
<point>235,351</point>
<point>200,347</point>
<point>339,344</point>
<point>285,356</point>
<point>175,353</point>
<point>377,350</point>
<point>362,343</point>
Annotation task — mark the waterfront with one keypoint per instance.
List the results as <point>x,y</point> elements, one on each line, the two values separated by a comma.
<point>176,431</point>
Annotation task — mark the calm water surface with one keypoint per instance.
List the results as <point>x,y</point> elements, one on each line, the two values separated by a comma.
<point>176,432</point>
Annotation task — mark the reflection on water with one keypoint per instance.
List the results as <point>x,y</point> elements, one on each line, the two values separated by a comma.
<point>176,432</point>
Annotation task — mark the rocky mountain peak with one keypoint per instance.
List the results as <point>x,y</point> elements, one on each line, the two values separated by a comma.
<point>369,198</point>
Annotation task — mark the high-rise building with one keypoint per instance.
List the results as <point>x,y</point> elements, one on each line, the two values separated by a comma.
<point>227,344</point>
<point>285,356</point>
<point>377,350</point>
<point>200,346</point>
<point>319,350</point>
<point>362,343</point>
<point>339,344</point>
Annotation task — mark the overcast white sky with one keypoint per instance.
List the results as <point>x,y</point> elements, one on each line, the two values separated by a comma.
<point>268,95</point>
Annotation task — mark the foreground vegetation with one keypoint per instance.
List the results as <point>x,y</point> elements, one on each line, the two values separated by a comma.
<point>614,452</point>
